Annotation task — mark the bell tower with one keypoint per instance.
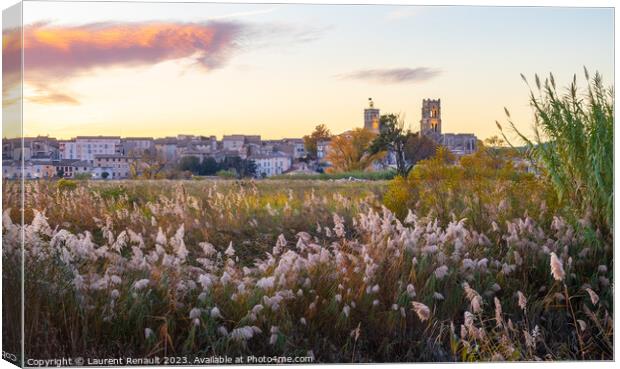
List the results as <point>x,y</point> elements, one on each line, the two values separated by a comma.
<point>371,117</point>
<point>430,124</point>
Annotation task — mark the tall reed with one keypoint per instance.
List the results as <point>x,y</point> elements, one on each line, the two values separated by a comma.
<point>573,144</point>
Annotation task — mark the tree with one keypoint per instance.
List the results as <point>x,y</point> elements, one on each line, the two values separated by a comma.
<point>419,147</point>
<point>250,168</point>
<point>209,167</point>
<point>392,137</point>
<point>243,167</point>
<point>494,153</point>
<point>190,163</point>
<point>321,132</point>
<point>105,175</point>
<point>349,151</point>
<point>149,166</point>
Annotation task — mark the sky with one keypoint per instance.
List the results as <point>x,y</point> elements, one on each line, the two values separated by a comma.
<point>157,69</point>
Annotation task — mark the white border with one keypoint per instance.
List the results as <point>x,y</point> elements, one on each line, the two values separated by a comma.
<point>535,3</point>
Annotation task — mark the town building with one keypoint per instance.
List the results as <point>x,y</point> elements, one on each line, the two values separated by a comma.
<point>372,116</point>
<point>65,168</point>
<point>12,169</point>
<point>268,165</point>
<point>167,148</point>
<point>200,146</point>
<point>82,167</point>
<point>67,149</point>
<point>237,142</point>
<point>460,143</point>
<point>294,147</point>
<point>233,142</point>
<point>40,148</point>
<point>137,146</point>
<point>117,164</point>
<point>86,147</point>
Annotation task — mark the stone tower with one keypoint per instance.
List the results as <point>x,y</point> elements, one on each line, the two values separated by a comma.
<point>430,124</point>
<point>371,117</point>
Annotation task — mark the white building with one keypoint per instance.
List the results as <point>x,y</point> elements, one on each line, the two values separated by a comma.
<point>67,149</point>
<point>273,164</point>
<point>86,147</point>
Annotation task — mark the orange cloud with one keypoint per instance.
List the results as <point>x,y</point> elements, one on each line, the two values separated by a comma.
<point>62,51</point>
<point>52,53</point>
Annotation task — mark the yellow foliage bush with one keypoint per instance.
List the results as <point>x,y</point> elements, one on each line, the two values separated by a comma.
<point>397,195</point>
<point>480,188</point>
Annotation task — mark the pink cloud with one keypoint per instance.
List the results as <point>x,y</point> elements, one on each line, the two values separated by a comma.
<point>53,53</point>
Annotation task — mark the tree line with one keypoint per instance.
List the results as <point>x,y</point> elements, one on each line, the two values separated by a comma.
<point>233,166</point>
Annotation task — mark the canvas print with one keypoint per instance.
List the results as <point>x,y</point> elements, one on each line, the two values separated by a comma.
<point>221,183</point>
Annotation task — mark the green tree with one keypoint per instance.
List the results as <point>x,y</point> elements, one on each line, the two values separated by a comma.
<point>190,163</point>
<point>419,147</point>
<point>321,132</point>
<point>209,167</point>
<point>243,167</point>
<point>393,137</point>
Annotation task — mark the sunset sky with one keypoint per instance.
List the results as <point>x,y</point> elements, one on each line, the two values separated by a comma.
<point>155,69</point>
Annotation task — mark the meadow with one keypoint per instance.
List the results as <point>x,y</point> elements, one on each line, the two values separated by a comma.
<point>308,268</point>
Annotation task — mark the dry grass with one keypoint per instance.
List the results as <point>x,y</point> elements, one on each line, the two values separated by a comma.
<point>298,268</point>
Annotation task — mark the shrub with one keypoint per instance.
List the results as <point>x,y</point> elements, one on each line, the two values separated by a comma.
<point>479,188</point>
<point>64,184</point>
<point>227,174</point>
<point>82,176</point>
<point>397,196</point>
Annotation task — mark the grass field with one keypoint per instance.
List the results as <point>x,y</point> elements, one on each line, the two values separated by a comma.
<point>300,268</point>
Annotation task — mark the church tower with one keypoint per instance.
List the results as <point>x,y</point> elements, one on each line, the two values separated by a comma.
<point>431,117</point>
<point>371,117</point>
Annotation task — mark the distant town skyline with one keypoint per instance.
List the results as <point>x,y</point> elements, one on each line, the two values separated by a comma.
<point>277,70</point>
